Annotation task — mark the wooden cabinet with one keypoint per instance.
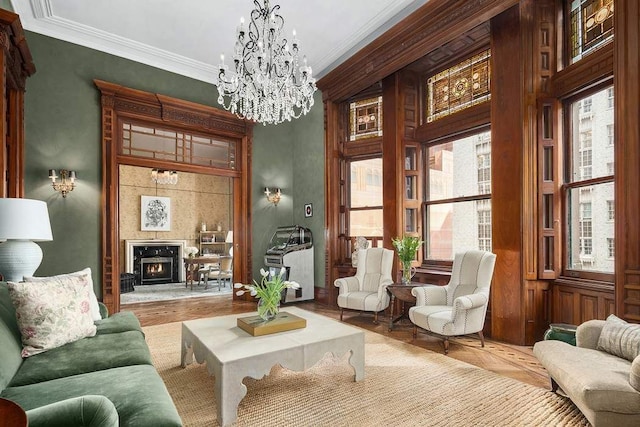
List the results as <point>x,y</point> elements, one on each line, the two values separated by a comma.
<point>213,243</point>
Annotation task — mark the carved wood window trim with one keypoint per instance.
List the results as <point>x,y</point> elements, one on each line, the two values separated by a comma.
<point>570,184</point>
<point>589,74</point>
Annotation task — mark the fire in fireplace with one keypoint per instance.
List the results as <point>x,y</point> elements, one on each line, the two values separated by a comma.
<point>156,269</point>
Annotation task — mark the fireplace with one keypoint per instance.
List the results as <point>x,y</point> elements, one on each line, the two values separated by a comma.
<point>154,262</point>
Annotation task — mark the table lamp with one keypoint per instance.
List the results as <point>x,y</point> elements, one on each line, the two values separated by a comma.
<point>22,222</point>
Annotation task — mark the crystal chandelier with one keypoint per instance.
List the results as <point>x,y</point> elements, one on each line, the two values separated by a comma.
<point>267,83</point>
<point>160,176</point>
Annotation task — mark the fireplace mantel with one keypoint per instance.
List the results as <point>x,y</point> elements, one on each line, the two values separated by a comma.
<point>130,245</point>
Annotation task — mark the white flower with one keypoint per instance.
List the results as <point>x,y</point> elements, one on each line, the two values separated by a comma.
<point>238,285</point>
<point>292,285</point>
<point>240,293</point>
<point>263,272</point>
<point>282,271</point>
<point>191,250</point>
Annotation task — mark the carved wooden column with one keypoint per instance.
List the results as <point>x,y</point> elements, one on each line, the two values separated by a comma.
<point>15,66</point>
<point>507,154</point>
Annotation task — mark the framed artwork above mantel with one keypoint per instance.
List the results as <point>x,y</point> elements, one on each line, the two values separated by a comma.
<point>155,213</point>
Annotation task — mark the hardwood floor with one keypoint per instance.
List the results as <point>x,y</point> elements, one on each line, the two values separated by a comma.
<point>511,361</point>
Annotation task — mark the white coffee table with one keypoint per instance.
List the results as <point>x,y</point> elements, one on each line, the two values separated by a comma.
<point>232,354</point>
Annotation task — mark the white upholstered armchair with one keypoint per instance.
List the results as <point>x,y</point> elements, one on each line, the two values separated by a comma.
<point>458,308</point>
<point>367,290</point>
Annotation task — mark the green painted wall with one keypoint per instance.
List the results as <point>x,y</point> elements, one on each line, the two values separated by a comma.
<point>290,156</point>
<point>62,130</point>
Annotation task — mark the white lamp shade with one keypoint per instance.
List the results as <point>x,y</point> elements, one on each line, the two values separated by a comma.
<point>24,219</point>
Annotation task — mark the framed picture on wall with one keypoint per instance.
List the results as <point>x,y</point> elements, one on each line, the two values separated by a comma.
<point>308,210</point>
<point>155,213</point>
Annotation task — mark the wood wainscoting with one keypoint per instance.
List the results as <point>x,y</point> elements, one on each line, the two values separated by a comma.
<point>576,302</point>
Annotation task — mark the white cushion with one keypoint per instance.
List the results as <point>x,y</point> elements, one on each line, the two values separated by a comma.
<point>52,313</point>
<point>93,301</point>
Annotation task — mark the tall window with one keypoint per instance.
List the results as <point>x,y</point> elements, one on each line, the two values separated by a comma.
<point>457,202</point>
<point>589,185</point>
<point>365,198</point>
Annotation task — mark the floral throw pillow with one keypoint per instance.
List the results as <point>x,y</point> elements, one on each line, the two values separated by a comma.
<point>52,313</point>
<point>95,308</point>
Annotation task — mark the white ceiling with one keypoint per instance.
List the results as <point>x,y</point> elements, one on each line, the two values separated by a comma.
<point>188,36</point>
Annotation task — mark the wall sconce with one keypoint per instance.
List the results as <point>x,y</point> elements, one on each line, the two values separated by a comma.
<point>273,197</point>
<point>68,181</point>
<point>160,176</point>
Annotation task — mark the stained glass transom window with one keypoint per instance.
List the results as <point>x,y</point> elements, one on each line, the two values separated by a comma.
<point>591,25</point>
<point>461,86</point>
<point>365,119</point>
<point>164,144</point>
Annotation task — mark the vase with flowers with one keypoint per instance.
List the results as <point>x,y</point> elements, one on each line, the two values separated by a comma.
<point>269,292</point>
<point>406,248</point>
<point>191,251</point>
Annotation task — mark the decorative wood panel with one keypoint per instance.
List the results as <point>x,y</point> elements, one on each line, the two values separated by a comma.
<point>118,101</point>
<point>575,302</point>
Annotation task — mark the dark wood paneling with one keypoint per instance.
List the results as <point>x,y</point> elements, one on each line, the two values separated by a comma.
<point>433,25</point>
<point>627,157</point>
<point>575,302</point>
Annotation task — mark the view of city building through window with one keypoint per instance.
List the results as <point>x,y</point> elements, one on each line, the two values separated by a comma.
<point>365,201</point>
<point>590,212</point>
<point>458,199</point>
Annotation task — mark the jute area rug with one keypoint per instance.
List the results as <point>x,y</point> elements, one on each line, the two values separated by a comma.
<point>404,386</point>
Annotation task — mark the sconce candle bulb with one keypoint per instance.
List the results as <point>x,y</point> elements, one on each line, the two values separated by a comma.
<point>67,181</point>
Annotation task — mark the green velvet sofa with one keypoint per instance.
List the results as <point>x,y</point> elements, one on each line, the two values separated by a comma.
<point>103,380</point>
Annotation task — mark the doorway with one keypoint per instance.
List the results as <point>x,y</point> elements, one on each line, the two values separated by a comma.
<point>152,131</point>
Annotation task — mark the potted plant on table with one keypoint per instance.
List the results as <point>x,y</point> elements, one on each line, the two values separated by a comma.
<point>268,291</point>
<point>406,248</point>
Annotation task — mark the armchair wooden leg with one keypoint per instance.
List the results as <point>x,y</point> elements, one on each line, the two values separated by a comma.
<point>481,338</point>
<point>446,346</point>
<point>341,312</point>
<point>375,318</point>
<point>415,331</point>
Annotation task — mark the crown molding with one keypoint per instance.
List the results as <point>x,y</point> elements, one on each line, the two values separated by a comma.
<point>38,16</point>
<point>40,19</point>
